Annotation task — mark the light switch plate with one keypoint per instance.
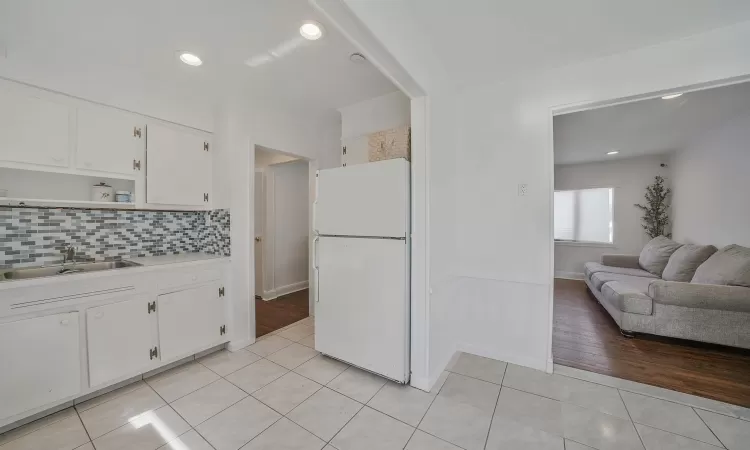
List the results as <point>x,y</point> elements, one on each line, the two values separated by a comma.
<point>523,189</point>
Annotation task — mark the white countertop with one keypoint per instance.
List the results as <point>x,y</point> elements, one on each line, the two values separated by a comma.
<point>146,263</point>
<point>150,261</point>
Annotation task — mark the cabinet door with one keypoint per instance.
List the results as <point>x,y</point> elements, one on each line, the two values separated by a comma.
<point>119,339</point>
<point>33,129</point>
<point>190,320</point>
<point>356,151</point>
<point>178,167</point>
<point>41,362</point>
<point>109,140</point>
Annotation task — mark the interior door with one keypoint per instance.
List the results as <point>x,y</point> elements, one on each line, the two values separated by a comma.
<point>41,362</point>
<point>119,339</point>
<point>260,218</point>
<point>190,320</point>
<point>178,170</point>
<point>33,129</point>
<point>362,313</point>
<point>109,140</point>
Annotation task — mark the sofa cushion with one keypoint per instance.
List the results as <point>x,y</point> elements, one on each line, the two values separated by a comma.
<point>729,266</point>
<point>627,298</point>
<point>591,268</point>
<point>685,260</point>
<point>639,283</point>
<point>655,255</point>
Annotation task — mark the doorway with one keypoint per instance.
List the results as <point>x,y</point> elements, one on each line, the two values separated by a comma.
<point>282,233</point>
<point>618,168</point>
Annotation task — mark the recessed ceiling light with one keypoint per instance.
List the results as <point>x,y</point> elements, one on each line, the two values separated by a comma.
<point>190,59</point>
<point>357,58</point>
<point>671,96</point>
<point>613,152</point>
<point>311,30</point>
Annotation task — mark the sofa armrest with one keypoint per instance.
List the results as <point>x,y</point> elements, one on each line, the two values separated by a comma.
<point>627,261</point>
<point>704,296</point>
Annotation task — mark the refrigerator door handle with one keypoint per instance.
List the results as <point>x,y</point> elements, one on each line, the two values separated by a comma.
<point>315,252</point>
<point>316,268</point>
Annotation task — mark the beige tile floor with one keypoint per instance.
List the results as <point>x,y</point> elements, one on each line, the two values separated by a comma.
<point>279,393</point>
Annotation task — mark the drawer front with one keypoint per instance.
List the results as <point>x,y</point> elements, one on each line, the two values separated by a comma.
<point>179,279</point>
<point>65,293</point>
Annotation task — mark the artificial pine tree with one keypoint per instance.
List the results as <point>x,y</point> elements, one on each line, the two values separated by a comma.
<point>655,217</point>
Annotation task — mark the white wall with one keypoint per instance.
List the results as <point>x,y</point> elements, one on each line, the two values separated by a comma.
<point>711,183</point>
<point>491,265</point>
<point>288,230</point>
<point>629,177</point>
<point>376,114</point>
<point>361,119</point>
<point>505,242</point>
<point>265,158</point>
<point>239,127</point>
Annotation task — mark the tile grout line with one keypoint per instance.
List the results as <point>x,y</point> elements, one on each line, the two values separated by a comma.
<point>84,428</point>
<point>641,392</point>
<point>632,422</point>
<point>425,415</point>
<point>709,428</point>
<point>673,432</point>
<point>494,410</point>
<point>192,427</point>
<point>566,401</point>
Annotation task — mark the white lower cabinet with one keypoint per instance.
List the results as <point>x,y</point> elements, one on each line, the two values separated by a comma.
<point>120,339</point>
<point>191,319</point>
<point>41,362</point>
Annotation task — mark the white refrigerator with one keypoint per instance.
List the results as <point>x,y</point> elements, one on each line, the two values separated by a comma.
<point>361,261</point>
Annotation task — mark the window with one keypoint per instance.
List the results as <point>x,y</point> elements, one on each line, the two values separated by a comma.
<point>584,215</point>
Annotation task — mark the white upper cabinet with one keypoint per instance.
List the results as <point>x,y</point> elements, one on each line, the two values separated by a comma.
<point>110,140</point>
<point>34,128</point>
<point>178,166</point>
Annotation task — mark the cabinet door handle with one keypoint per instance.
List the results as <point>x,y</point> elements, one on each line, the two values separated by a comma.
<point>64,322</point>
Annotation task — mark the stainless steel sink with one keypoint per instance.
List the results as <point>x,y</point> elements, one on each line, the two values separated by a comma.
<point>67,269</point>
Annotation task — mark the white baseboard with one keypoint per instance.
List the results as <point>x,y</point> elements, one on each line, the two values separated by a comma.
<point>568,275</point>
<point>519,360</point>
<point>233,346</point>
<point>284,290</point>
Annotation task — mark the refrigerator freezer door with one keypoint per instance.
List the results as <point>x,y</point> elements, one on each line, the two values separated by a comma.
<point>363,313</point>
<point>364,200</point>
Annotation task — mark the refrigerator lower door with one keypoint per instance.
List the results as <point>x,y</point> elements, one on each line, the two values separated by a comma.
<point>362,313</point>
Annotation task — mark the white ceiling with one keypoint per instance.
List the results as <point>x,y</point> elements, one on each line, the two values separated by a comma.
<point>646,127</point>
<point>95,48</point>
<point>491,40</point>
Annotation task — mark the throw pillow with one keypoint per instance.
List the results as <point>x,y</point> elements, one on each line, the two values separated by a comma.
<point>655,255</point>
<point>729,266</point>
<point>685,260</point>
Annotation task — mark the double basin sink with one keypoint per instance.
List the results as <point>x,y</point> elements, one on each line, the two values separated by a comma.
<point>64,269</point>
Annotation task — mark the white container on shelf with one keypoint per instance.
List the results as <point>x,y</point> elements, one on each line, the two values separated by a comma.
<point>102,192</point>
<point>123,197</point>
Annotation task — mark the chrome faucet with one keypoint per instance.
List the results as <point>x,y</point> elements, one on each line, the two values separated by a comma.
<point>69,254</point>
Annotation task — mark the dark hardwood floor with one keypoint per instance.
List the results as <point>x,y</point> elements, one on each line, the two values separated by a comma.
<point>586,337</point>
<point>278,313</point>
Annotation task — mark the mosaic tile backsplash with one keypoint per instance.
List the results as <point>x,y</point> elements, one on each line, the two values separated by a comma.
<point>36,236</point>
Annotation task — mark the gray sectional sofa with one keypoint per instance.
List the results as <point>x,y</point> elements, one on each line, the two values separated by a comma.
<point>681,291</point>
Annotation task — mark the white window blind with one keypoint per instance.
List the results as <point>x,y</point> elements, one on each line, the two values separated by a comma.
<point>584,215</point>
